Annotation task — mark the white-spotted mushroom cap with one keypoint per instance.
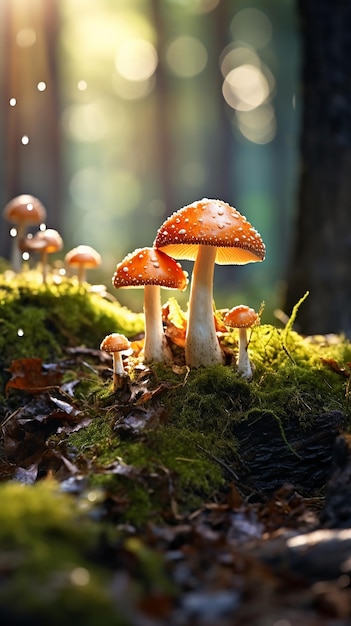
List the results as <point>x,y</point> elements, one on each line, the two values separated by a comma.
<point>212,223</point>
<point>115,343</point>
<point>84,256</point>
<point>148,266</point>
<point>25,209</point>
<point>241,316</point>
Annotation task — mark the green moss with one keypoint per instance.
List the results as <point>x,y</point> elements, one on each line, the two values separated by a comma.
<point>181,458</point>
<point>42,320</point>
<point>196,449</point>
<point>45,542</point>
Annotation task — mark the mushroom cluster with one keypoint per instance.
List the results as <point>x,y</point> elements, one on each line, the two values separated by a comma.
<point>207,231</point>
<point>26,210</point>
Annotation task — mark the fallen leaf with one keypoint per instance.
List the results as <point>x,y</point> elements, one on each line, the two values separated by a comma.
<point>28,375</point>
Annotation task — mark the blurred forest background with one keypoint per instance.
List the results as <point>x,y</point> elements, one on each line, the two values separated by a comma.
<point>115,113</point>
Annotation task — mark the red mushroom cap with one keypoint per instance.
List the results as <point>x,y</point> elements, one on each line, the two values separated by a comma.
<point>25,208</point>
<point>241,316</point>
<point>148,266</point>
<point>212,223</point>
<point>83,255</point>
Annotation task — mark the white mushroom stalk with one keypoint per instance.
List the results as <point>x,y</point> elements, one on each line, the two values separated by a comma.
<point>202,346</point>
<point>244,366</point>
<point>156,348</point>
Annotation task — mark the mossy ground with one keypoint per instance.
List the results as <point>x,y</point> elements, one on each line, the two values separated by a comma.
<point>160,446</point>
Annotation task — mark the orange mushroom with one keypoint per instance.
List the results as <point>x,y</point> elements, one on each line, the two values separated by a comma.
<point>151,269</point>
<point>83,257</point>
<point>242,317</point>
<point>23,210</point>
<point>116,345</point>
<point>209,232</point>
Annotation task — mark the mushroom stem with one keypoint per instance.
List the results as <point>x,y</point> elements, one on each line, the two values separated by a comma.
<point>44,265</point>
<point>244,365</point>
<point>156,348</point>
<point>81,274</point>
<point>202,346</point>
<point>118,370</point>
<point>16,253</point>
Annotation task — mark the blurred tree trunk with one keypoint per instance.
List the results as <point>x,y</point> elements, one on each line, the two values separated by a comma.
<point>29,43</point>
<point>321,260</point>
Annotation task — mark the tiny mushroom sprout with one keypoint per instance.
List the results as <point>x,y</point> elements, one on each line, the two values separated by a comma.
<point>242,317</point>
<point>23,211</point>
<point>83,257</point>
<point>209,232</point>
<point>151,269</point>
<point>44,242</point>
<point>116,345</point>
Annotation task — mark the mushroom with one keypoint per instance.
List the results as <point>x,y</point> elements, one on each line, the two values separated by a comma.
<point>83,257</point>
<point>22,211</point>
<point>151,269</point>
<point>116,345</point>
<point>45,242</point>
<point>242,317</point>
<point>207,231</point>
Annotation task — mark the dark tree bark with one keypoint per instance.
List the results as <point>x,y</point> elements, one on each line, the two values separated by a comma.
<point>321,260</point>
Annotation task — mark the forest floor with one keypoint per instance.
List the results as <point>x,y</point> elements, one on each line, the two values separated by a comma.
<point>183,498</point>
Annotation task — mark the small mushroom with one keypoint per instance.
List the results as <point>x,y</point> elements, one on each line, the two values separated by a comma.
<point>242,317</point>
<point>44,242</point>
<point>23,211</point>
<point>116,345</point>
<point>209,232</point>
<point>83,257</point>
<point>151,269</point>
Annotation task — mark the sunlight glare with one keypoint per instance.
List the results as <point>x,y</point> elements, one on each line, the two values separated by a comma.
<point>245,88</point>
<point>136,59</point>
<point>235,55</point>
<point>82,85</point>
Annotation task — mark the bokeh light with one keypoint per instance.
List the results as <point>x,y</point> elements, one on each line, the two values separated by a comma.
<point>136,59</point>
<point>26,37</point>
<point>85,122</point>
<point>186,56</point>
<point>246,87</point>
<point>252,26</point>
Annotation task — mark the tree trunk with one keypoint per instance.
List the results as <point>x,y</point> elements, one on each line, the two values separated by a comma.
<point>321,260</point>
